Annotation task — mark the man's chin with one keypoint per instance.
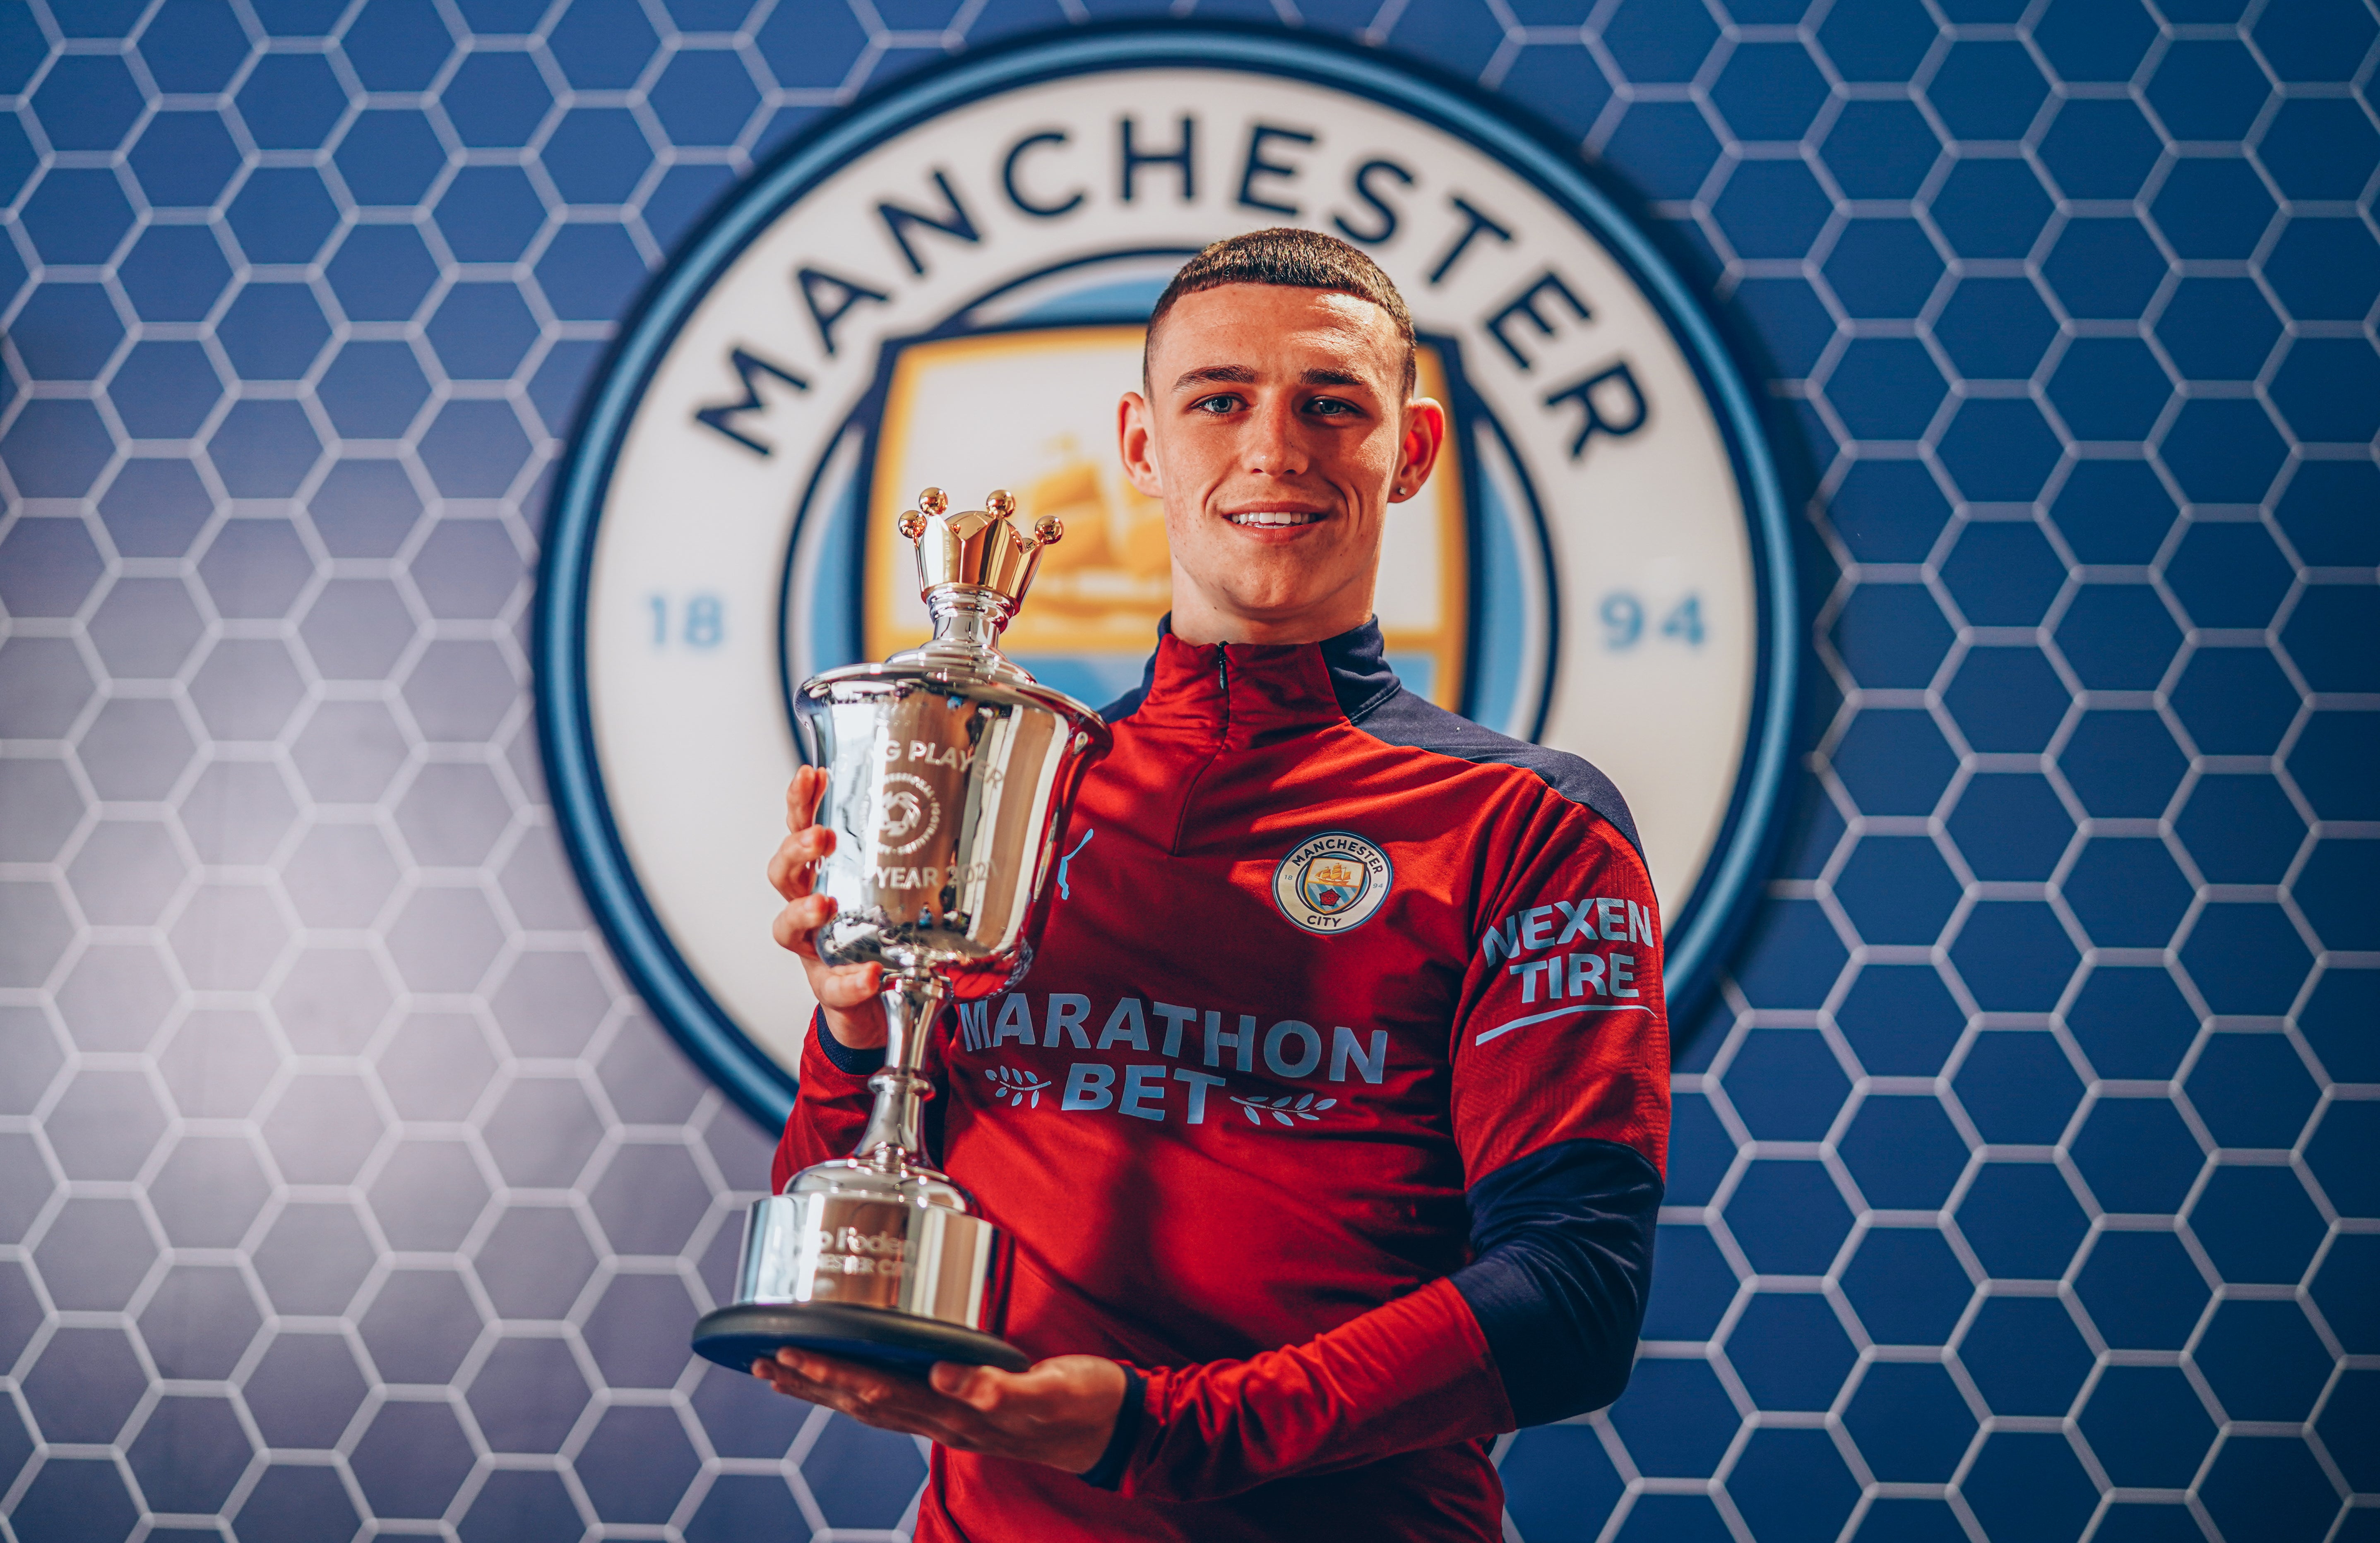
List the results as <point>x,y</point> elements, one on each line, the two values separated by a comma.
<point>1269,606</point>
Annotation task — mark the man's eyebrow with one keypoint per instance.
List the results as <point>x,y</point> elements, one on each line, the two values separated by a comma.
<point>1227,375</point>
<point>1241,375</point>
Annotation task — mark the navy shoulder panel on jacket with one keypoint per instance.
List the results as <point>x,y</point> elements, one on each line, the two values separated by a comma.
<point>1125,705</point>
<point>1377,701</point>
<point>1402,718</point>
<point>1129,703</point>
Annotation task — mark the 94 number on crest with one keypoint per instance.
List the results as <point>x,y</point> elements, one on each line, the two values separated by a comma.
<point>1625,616</point>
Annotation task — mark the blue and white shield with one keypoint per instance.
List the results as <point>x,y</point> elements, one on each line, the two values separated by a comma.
<point>1331,883</point>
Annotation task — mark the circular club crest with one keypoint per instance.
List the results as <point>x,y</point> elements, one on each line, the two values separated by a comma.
<point>948,285</point>
<point>1332,883</point>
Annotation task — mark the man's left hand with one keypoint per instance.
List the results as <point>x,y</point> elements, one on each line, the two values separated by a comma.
<point>1060,1411</point>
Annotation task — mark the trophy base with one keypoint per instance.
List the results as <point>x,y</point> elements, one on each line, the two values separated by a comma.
<point>736,1336</point>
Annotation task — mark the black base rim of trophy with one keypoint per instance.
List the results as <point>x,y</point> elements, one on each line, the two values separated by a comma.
<point>739,1335</point>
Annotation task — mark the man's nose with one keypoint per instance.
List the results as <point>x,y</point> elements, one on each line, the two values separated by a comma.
<point>1275,445</point>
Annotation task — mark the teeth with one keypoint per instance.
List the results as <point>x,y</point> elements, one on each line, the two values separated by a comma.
<point>1273,517</point>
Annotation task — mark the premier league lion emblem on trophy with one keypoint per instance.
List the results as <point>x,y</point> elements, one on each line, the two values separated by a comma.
<point>906,808</point>
<point>951,772</point>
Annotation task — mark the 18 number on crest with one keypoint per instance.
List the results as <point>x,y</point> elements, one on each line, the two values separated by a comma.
<point>700,622</point>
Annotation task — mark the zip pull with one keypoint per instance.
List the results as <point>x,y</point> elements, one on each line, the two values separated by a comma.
<point>1223,678</point>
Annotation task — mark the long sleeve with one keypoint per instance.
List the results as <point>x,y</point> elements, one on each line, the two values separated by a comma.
<point>1414,1373</point>
<point>1561,1109</point>
<point>1540,1326</point>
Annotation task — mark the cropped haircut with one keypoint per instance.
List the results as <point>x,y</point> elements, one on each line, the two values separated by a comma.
<point>1291,258</point>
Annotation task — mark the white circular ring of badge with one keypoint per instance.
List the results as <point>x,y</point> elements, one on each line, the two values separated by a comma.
<point>920,291</point>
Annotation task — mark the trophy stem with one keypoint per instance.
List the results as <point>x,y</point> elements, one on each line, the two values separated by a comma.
<point>969,615</point>
<point>892,1139</point>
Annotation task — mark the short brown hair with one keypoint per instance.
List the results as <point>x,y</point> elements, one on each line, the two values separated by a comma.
<point>1291,258</point>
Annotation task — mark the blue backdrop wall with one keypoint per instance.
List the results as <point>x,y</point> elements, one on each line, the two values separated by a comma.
<point>2026,1182</point>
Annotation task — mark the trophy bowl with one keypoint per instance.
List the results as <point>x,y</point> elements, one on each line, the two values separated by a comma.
<point>950,774</point>
<point>947,797</point>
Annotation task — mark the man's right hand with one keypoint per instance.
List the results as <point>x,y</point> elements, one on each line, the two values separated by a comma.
<point>854,1013</point>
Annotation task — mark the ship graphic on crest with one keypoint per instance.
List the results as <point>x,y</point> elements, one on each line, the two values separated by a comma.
<point>1114,558</point>
<point>1332,884</point>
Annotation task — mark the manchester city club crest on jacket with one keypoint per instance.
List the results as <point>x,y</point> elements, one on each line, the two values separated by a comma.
<point>1332,883</point>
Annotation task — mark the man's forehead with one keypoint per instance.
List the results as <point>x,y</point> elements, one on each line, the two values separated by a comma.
<point>1258,325</point>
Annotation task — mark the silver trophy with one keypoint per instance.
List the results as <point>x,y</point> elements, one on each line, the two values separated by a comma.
<point>950,774</point>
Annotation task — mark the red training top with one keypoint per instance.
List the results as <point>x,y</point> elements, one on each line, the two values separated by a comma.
<point>1334,1105</point>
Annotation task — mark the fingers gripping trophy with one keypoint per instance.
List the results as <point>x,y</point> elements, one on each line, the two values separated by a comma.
<point>950,774</point>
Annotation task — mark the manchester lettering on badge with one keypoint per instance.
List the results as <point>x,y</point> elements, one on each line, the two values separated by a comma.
<point>1541,322</point>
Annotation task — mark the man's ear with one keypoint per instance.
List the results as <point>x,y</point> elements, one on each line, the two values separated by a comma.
<point>1137,445</point>
<point>1425,437</point>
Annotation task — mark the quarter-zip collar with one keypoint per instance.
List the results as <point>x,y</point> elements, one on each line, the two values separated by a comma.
<point>1243,694</point>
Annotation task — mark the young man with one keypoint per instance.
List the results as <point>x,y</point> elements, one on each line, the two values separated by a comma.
<point>1350,1021</point>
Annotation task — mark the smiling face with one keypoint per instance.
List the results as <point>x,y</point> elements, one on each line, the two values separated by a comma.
<point>1277,430</point>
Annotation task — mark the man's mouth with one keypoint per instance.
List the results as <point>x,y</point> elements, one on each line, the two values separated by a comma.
<point>1273,517</point>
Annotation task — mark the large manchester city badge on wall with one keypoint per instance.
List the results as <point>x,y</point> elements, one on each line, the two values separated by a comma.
<point>948,285</point>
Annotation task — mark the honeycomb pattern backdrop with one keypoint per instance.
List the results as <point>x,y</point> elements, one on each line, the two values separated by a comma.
<point>2026,1182</point>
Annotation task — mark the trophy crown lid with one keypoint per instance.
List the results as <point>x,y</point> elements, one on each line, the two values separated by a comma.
<point>975,550</point>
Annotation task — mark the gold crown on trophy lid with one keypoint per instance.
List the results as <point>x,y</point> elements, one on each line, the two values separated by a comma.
<point>976,549</point>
